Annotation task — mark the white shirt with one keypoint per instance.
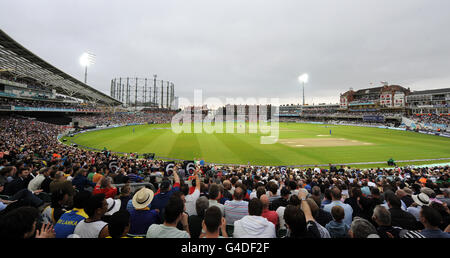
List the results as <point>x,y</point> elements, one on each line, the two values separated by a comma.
<point>280,212</point>
<point>254,227</point>
<point>35,183</point>
<point>89,230</point>
<point>191,199</point>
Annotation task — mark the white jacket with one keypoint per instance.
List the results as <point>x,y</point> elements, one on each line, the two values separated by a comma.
<point>254,227</point>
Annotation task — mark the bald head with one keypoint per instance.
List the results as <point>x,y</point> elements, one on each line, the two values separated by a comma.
<point>400,193</point>
<point>227,184</point>
<point>265,201</point>
<point>238,194</point>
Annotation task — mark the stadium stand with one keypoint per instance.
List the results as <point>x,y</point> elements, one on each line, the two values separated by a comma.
<point>32,158</point>
<point>49,189</point>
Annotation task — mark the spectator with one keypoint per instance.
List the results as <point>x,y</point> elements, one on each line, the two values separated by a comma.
<point>213,196</point>
<point>104,186</point>
<point>125,196</point>
<point>21,182</point>
<point>81,182</point>
<point>227,195</point>
<point>336,200</point>
<point>282,200</point>
<point>119,224</point>
<point>399,217</point>
<point>35,183</point>
<point>431,220</point>
<point>337,228</point>
<point>195,221</point>
<point>164,193</point>
<point>214,223</point>
<point>142,217</point>
<point>420,200</point>
<point>362,228</point>
<point>192,198</point>
<point>405,195</point>
<point>236,209</point>
<point>93,226</point>
<point>174,213</point>
<point>254,225</point>
<point>53,212</point>
<point>382,217</point>
<point>300,221</point>
<point>66,224</point>
<point>22,223</point>
<point>271,216</point>
<point>293,200</point>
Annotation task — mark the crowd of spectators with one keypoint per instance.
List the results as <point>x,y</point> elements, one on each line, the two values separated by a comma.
<point>432,119</point>
<point>44,104</point>
<point>52,190</point>
<point>122,118</point>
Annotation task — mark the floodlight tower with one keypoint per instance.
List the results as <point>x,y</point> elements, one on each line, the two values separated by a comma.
<point>303,79</point>
<point>86,60</point>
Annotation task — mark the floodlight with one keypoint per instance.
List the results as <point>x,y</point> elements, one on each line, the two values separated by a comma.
<point>303,78</point>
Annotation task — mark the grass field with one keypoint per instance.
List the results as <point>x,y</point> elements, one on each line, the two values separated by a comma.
<point>298,144</point>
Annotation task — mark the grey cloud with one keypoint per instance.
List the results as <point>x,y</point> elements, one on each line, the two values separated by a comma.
<point>242,48</point>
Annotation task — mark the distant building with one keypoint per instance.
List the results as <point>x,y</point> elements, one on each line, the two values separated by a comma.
<point>373,99</point>
<point>429,101</point>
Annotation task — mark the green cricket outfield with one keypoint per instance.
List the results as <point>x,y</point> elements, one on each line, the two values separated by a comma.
<point>298,144</point>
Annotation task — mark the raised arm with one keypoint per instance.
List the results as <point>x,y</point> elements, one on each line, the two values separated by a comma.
<point>305,206</point>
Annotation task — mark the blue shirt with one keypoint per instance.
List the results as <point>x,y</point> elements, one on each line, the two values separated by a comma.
<point>160,200</point>
<point>68,221</point>
<point>348,210</point>
<point>434,233</point>
<point>141,220</point>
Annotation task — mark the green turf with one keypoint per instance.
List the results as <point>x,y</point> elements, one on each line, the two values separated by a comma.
<point>245,147</point>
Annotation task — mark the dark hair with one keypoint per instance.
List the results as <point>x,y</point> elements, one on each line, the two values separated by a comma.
<point>18,222</point>
<point>80,199</point>
<point>213,218</point>
<point>294,200</point>
<point>173,209</point>
<point>432,216</point>
<point>374,191</point>
<point>393,200</point>
<point>273,187</point>
<point>214,191</point>
<point>93,203</point>
<point>338,213</point>
<point>316,190</point>
<point>260,191</point>
<point>20,170</point>
<point>184,188</point>
<point>118,222</point>
<point>336,193</point>
<point>56,197</point>
<point>295,219</point>
<point>255,207</point>
<point>327,194</point>
<point>292,185</point>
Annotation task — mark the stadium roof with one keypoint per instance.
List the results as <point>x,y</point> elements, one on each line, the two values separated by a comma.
<point>437,91</point>
<point>21,62</point>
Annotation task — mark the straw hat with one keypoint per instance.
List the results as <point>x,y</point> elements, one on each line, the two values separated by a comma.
<point>142,198</point>
<point>421,199</point>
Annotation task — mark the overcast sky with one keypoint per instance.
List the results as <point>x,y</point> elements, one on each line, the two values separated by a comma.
<point>242,48</point>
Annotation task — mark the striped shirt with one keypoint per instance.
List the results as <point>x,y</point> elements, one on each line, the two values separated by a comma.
<point>235,210</point>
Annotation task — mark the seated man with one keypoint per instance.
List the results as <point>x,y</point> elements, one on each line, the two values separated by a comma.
<point>174,213</point>
<point>254,225</point>
<point>214,223</point>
